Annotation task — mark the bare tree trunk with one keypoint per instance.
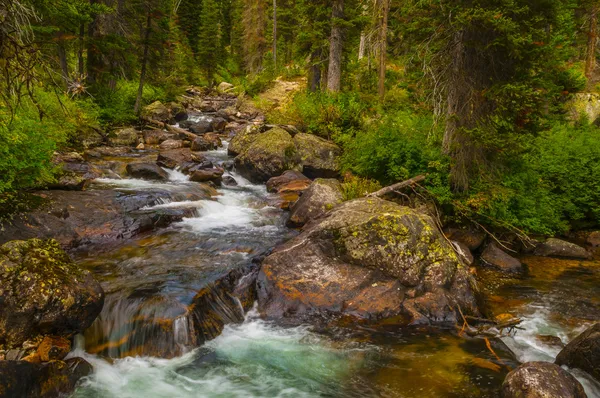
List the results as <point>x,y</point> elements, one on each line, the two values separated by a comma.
<point>62,60</point>
<point>334,72</point>
<point>80,66</point>
<point>275,35</point>
<point>138,100</point>
<point>362,46</point>
<point>314,73</point>
<point>590,60</point>
<point>383,30</point>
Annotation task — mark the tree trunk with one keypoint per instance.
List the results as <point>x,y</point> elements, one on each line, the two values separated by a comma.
<point>334,72</point>
<point>275,35</point>
<point>138,100</point>
<point>362,46</point>
<point>62,60</point>
<point>590,60</point>
<point>383,29</point>
<point>80,66</point>
<point>314,72</point>
<point>94,58</point>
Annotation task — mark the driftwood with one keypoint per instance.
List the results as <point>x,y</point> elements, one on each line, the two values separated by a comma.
<point>293,130</point>
<point>398,186</point>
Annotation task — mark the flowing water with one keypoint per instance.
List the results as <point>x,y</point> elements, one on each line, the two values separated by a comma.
<point>144,343</point>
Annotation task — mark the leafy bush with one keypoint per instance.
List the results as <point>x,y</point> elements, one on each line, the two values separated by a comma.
<point>356,187</point>
<point>116,106</point>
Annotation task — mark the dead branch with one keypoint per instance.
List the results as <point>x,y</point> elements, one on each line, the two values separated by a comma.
<point>398,186</point>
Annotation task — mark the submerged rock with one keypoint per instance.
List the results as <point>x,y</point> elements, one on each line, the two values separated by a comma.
<point>319,157</point>
<point>320,197</point>
<point>147,171</point>
<point>48,380</point>
<point>370,260</point>
<point>43,292</point>
<point>583,352</point>
<point>271,153</point>
<point>559,248</point>
<point>541,380</point>
<point>497,258</point>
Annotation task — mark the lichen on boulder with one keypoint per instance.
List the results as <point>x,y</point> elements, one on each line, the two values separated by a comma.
<point>319,157</point>
<point>43,292</point>
<point>371,260</point>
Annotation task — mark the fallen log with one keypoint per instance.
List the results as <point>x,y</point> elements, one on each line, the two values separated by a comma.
<point>398,186</point>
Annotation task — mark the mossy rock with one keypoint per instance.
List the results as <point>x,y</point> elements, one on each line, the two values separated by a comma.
<point>243,139</point>
<point>156,111</point>
<point>319,157</point>
<point>42,291</point>
<point>269,155</point>
<point>371,260</point>
<point>321,196</point>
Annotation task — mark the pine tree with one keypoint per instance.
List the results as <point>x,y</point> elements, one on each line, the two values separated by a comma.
<point>210,47</point>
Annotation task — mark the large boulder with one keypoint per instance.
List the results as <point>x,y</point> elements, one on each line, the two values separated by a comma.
<point>147,171</point>
<point>201,144</point>
<point>541,380</point>
<point>584,104</point>
<point>43,292</point>
<point>174,158</point>
<point>275,183</point>
<point>47,380</point>
<point>156,111</point>
<point>124,137</point>
<point>583,352</point>
<point>369,260</point>
<point>320,197</point>
<point>319,157</point>
<point>498,258</point>
<point>471,238</point>
<point>243,139</point>
<point>271,153</point>
<point>559,248</point>
<point>156,137</point>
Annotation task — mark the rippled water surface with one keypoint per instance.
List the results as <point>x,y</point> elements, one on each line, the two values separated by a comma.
<point>140,346</point>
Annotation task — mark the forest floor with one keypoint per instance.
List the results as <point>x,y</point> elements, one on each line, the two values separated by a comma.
<point>278,96</point>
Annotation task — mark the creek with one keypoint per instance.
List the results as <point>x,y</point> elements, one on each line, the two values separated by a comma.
<point>144,343</point>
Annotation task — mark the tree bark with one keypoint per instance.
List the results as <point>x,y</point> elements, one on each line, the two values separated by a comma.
<point>62,60</point>
<point>275,35</point>
<point>80,66</point>
<point>383,30</point>
<point>138,100</point>
<point>362,46</point>
<point>590,59</point>
<point>314,72</point>
<point>334,72</point>
<point>398,186</point>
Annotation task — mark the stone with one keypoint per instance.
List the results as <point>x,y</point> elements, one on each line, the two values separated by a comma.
<point>319,157</point>
<point>174,158</point>
<point>243,139</point>
<point>206,175</point>
<point>271,153</point>
<point>124,137</point>
<point>200,127</point>
<point>218,124</point>
<point>541,380</point>
<point>549,340</point>
<point>471,238</point>
<point>229,181</point>
<point>583,352</point>
<point>156,111</point>
<point>499,259</point>
<point>46,380</point>
<point>224,87</point>
<point>200,144</point>
<point>587,104</point>
<point>147,171</point>
<point>42,291</point>
<point>559,248</point>
<point>320,197</point>
<point>171,144</point>
<point>156,137</point>
<point>463,252</point>
<point>367,261</point>
<point>287,177</point>
<point>53,348</point>
<point>593,239</point>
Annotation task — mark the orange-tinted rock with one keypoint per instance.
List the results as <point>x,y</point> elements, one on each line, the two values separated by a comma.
<point>497,258</point>
<point>541,380</point>
<point>274,184</point>
<point>321,196</point>
<point>53,348</point>
<point>471,238</point>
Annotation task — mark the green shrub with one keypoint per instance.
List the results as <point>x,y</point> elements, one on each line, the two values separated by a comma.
<point>116,106</point>
<point>355,187</point>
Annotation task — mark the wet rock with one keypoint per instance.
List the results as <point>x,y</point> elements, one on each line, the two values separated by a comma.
<point>583,352</point>
<point>370,260</point>
<point>43,292</point>
<point>200,127</point>
<point>271,153</point>
<point>319,157</point>
<point>497,258</point>
<point>471,238</point>
<point>559,248</point>
<point>201,144</point>
<point>219,124</point>
<point>14,355</point>
<point>541,380</point>
<point>156,137</point>
<point>147,171</point>
<point>243,139</point>
<point>124,137</point>
<point>53,348</point>
<point>171,144</point>
<point>48,380</point>
<point>463,252</point>
<point>229,181</point>
<point>287,177</point>
<point>75,173</point>
<point>174,158</point>
<point>156,111</point>
<point>552,341</point>
<point>322,196</point>
<point>189,168</point>
<point>178,112</point>
<point>106,151</point>
<point>593,239</point>
<point>206,175</point>
<point>214,139</point>
<point>99,217</point>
